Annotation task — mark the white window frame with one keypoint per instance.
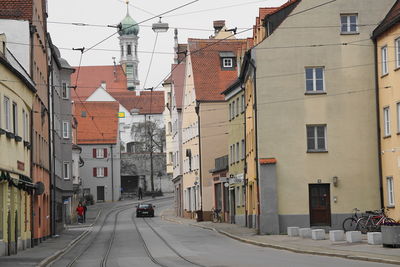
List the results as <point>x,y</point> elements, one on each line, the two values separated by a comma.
<point>24,125</point>
<point>230,111</point>
<point>15,118</point>
<point>397,51</point>
<point>227,62</point>
<point>237,152</point>
<point>99,153</point>
<point>390,191</point>
<point>398,116</point>
<point>65,129</point>
<point>386,121</point>
<point>243,150</point>
<point>348,24</point>
<point>316,137</point>
<point>233,153</point>
<point>314,79</point>
<point>243,105</point>
<point>384,60</point>
<point>7,120</point>
<point>99,172</point>
<point>66,174</point>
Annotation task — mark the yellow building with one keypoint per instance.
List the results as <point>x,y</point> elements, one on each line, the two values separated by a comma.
<point>234,94</point>
<point>387,40</point>
<point>16,97</point>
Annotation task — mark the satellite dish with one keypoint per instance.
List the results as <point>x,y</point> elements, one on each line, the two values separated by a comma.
<point>39,188</point>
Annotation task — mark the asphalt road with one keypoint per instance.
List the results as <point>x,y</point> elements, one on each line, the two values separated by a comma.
<point>124,240</point>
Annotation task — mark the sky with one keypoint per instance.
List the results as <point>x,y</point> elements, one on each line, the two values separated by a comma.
<point>192,21</point>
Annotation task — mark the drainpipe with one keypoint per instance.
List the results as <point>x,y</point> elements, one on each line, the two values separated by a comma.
<point>112,173</point>
<point>197,109</point>
<point>52,155</point>
<point>378,124</point>
<point>256,141</point>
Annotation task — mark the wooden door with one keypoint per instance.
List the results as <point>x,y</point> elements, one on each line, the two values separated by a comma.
<point>100,193</point>
<point>320,205</point>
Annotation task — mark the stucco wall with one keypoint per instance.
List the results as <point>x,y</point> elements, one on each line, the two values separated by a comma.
<point>348,107</point>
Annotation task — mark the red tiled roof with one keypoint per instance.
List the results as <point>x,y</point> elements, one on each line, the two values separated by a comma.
<point>391,18</point>
<point>268,161</point>
<point>263,11</point>
<point>100,126</point>
<point>91,77</point>
<point>141,102</point>
<point>16,9</point>
<point>209,79</point>
<point>178,79</point>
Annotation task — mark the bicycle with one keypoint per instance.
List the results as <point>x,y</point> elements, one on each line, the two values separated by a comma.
<point>350,223</point>
<point>216,215</point>
<point>373,222</point>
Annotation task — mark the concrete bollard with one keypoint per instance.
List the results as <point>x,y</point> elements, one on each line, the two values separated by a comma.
<point>353,236</point>
<point>293,231</point>
<point>336,235</point>
<point>374,238</point>
<point>318,234</point>
<point>305,232</point>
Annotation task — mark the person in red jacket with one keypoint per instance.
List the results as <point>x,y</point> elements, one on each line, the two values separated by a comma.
<point>80,210</point>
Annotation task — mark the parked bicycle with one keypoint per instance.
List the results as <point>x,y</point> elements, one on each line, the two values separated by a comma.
<point>350,223</point>
<point>373,221</point>
<point>216,215</point>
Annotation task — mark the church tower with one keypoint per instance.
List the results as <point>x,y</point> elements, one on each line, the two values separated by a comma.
<point>128,40</point>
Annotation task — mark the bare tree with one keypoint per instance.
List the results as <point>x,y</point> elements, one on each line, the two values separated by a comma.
<point>149,138</point>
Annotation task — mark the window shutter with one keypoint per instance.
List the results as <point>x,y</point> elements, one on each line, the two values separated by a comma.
<point>105,152</point>
<point>94,172</point>
<point>105,171</point>
<point>94,152</point>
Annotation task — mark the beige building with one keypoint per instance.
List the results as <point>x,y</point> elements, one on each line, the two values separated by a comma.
<point>16,99</point>
<point>316,113</point>
<point>210,68</point>
<point>387,39</point>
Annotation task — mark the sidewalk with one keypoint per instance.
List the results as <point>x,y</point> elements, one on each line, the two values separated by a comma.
<point>361,251</point>
<point>51,248</point>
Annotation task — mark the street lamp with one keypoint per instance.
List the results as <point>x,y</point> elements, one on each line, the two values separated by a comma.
<point>160,27</point>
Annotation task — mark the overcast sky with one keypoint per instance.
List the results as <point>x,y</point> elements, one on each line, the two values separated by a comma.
<point>193,21</point>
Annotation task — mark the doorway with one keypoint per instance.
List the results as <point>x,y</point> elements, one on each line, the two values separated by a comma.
<point>100,193</point>
<point>320,204</point>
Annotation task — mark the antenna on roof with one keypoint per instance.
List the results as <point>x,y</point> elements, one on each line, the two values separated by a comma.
<point>115,69</point>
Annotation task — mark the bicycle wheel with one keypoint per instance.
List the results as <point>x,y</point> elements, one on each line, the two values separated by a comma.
<point>349,224</point>
<point>388,220</point>
<point>363,225</point>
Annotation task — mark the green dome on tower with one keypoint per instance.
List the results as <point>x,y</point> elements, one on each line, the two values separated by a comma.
<point>129,26</point>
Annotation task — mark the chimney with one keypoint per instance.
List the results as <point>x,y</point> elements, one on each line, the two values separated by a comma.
<point>218,25</point>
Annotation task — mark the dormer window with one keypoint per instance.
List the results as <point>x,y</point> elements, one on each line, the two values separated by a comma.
<point>228,60</point>
<point>227,63</point>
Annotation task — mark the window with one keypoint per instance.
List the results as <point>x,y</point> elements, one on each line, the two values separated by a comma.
<point>316,138</point>
<point>243,150</point>
<point>100,172</point>
<point>230,154</point>
<point>397,45</point>
<point>233,153</point>
<point>15,118</point>
<point>99,153</point>
<point>24,126</point>
<point>384,62</point>
<point>227,62</point>
<point>315,79</point>
<point>65,129</point>
<point>122,50</point>
<point>233,110</point>
<point>243,106</point>
<point>237,107</point>
<point>230,111</point>
<point>390,192</point>
<point>6,107</point>
<point>386,121</point>
<point>349,23</point>
<point>237,152</point>
<point>398,117</point>
<point>171,157</point>
<point>66,171</point>
<point>64,88</point>
<point>129,48</point>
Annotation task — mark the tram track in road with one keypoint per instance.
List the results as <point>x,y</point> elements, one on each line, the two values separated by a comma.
<point>148,252</point>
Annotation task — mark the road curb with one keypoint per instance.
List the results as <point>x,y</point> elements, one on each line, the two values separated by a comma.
<point>292,249</point>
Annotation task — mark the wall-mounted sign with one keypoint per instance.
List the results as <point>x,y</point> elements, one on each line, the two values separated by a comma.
<point>121,115</point>
<point>20,165</point>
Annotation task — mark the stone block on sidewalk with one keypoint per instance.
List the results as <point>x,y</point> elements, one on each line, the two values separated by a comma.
<point>336,235</point>
<point>374,238</point>
<point>305,232</point>
<point>353,236</point>
<point>318,234</point>
<point>293,231</point>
